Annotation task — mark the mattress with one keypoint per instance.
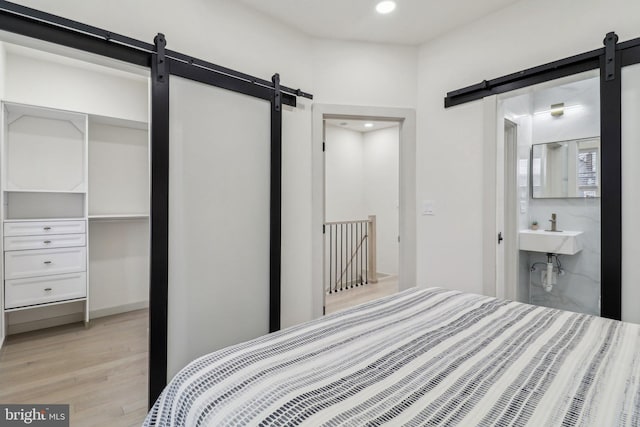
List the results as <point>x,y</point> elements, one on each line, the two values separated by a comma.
<point>429,357</point>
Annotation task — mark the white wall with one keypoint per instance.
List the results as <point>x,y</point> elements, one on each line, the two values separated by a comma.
<point>527,34</point>
<point>118,249</point>
<point>356,73</point>
<point>118,266</point>
<point>362,179</point>
<point>118,169</point>
<point>344,175</point>
<point>75,86</point>
<point>381,160</point>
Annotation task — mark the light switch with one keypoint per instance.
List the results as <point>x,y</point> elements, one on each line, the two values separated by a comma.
<point>428,207</point>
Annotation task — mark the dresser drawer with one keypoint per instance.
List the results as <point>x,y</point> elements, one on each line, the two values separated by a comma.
<point>18,243</point>
<point>35,228</point>
<point>41,262</point>
<point>41,290</point>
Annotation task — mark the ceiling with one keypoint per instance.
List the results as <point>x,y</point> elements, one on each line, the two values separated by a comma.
<point>413,22</point>
<point>359,125</point>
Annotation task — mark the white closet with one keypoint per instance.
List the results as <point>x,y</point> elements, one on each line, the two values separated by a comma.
<point>75,195</point>
<point>44,194</point>
<point>74,160</point>
<point>118,215</point>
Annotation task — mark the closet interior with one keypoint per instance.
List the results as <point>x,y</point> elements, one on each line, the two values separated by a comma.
<point>75,189</point>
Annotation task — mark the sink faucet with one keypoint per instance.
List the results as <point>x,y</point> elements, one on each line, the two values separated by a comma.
<point>553,222</point>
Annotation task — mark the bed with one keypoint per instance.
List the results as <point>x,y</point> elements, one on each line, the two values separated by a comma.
<point>422,357</point>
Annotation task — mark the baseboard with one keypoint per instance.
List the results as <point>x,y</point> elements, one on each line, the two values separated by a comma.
<point>18,328</point>
<point>50,322</point>
<point>110,311</point>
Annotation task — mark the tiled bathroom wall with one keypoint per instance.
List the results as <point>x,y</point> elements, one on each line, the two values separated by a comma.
<point>578,289</point>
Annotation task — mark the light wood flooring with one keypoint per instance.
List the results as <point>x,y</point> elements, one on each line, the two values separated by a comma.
<point>348,298</point>
<point>101,371</point>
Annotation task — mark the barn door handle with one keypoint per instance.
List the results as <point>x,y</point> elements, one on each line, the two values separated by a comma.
<point>500,239</point>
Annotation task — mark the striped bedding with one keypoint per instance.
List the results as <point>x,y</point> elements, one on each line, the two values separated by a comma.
<point>429,357</point>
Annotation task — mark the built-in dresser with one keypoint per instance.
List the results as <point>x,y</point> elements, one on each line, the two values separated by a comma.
<point>44,210</point>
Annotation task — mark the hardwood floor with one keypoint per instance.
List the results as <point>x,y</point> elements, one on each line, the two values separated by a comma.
<point>348,298</point>
<point>101,371</point>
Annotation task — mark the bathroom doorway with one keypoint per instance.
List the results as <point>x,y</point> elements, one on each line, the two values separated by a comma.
<point>550,176</point>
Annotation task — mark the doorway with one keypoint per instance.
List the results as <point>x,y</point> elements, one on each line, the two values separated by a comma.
<point>75,331</point>
<point>361,211</point>
<point>404,119</point>
<point>551,180</point>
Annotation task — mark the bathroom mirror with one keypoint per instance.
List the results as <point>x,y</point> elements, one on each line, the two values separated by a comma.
<point>565,169</point>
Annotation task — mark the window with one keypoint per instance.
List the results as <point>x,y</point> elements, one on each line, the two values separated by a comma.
<point>588,168</point>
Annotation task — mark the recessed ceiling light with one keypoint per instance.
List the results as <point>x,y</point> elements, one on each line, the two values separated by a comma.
<point>386,6</point>
<point>368,125</point>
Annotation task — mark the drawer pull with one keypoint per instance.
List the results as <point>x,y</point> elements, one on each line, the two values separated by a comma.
<point>47,262</point>
<point>46,228</point>
<point>47,289</point>
<point>46,242</point>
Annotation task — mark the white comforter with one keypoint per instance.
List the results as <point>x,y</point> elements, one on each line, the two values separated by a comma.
<point>421,357</point>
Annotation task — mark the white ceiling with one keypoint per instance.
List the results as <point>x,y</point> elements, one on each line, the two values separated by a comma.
<point>413,22</point>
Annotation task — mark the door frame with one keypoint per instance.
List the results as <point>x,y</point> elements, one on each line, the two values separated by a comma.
<point>507,250</point>
<point>609,61</point>
<point>406,117</point>
<point>496,254</point>
<point>505,177</point>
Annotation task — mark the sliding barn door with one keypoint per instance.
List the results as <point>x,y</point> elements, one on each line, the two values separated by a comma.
<point>630,103</point>
<point>219,190</point>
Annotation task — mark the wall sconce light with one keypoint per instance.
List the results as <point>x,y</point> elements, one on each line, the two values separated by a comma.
<point>557,109</point>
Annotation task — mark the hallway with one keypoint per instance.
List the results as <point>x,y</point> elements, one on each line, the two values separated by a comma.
<point>341,300</point>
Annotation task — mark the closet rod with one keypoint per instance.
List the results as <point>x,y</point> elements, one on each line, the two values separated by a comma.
<point>45,26</point>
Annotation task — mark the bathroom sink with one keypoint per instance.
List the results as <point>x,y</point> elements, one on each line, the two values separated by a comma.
<point>555,242</point>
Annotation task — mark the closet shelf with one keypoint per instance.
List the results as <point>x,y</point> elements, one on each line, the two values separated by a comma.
<point>43,219</point>
<point>16,190</point>
<point>118,216</point>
